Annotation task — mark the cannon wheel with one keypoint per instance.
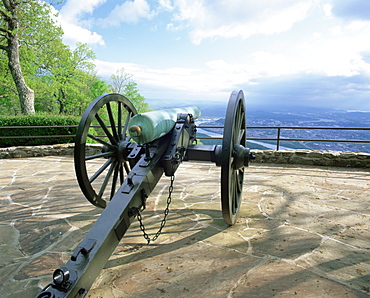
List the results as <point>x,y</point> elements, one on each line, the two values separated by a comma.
<point>231,176</point>
<point>104,123</point>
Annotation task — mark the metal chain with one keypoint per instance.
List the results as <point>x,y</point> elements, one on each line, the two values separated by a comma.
<point>165,212</point>
<point>177,159</point>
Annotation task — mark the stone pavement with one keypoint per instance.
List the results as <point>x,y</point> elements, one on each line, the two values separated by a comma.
<point>303,231</point>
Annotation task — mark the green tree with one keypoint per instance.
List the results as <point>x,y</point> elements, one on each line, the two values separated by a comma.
<point>66,79</point>
<point>119,80</point>
<point>122,83</point>
<point>132,93</point>
<point>26,29</point>
<point>98,88</point>
<point>74,79</point>
<point>9,102</point>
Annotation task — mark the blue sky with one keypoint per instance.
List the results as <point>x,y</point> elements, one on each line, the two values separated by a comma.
<point>281,52</point>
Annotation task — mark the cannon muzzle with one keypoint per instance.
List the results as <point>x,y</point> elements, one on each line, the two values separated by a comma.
<point>147,127</point>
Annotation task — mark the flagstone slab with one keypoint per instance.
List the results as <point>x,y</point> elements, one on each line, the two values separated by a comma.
<point>302,231</point>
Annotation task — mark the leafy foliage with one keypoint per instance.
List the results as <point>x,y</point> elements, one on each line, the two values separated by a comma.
<point>121,82</point>
<point>67,80</point>
<point>31,133</point>
<point>26,29</point>
<point>64,80</point>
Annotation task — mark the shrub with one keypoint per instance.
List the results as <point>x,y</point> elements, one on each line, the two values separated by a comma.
<point>32,133</point>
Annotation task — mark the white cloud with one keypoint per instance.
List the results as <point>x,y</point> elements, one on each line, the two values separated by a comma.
<point>238,18</point>
<point>106,69</point>
<point>217,77</point>
<point>291,38</point>
<point>328,55</point>
<point>166,4</point>
<point>74,27</point>
<point>74,33</point>
<point>327,9</point>
<point>74,9</point>
<point>335,51</point>
<point>129,12</point>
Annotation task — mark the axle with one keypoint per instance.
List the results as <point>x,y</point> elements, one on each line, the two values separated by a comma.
<point>242,156</point>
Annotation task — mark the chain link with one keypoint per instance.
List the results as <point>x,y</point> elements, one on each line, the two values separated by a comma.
<point>165,212</point>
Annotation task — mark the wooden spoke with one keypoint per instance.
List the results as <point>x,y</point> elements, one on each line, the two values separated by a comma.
<point>101,170</point>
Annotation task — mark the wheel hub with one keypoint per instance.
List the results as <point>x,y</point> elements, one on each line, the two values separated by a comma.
<point>122,151</point>
<point>241,157</point>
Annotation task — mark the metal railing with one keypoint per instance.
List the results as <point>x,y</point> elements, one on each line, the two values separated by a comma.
<point>278,139</point>
<point>36,126</point>
<point>279,129</point>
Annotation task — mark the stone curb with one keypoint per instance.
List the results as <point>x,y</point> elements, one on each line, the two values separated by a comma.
<point>299,156</point>
<point>44,150</point>
<point>314,158</point>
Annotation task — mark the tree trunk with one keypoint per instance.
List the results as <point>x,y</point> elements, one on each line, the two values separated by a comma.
<point>25,94</point>
<point>61,100</point>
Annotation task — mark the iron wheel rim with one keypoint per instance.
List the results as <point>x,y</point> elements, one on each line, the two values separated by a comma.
<point>118,110</point>
<point>232,178</point>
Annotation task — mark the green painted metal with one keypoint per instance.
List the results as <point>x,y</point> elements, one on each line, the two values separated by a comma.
<point>152,125</point>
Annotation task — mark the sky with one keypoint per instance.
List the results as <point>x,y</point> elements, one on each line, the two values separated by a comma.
<point>312,53</point>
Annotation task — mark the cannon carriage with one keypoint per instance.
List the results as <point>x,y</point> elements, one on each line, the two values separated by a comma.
<point>135,151</point>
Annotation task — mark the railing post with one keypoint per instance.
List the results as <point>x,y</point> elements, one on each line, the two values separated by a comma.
<point>278,139</point>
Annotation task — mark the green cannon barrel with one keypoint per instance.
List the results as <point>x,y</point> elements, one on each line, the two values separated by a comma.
<point>147,127</point>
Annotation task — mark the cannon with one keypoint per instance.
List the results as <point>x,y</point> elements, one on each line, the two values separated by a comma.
<point>135,150</point>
